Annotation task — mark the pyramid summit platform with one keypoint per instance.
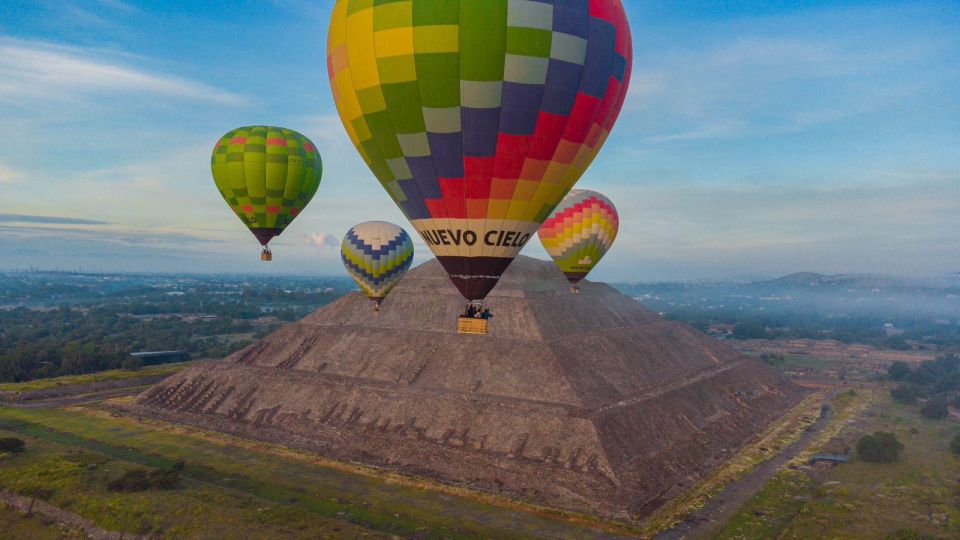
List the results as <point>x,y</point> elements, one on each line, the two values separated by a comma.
<point>583,401</point>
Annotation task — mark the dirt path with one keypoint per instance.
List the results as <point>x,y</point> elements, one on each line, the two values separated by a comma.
<point>75,399</point>
<point>717,510</point>
<point>29,506</point>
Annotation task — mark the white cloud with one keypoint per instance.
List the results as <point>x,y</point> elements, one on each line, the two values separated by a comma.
<point>328,129</point>
<point>8,175</point>
<point>742,84</point>
<point>902,226</point>
<point>35,70</point>
<point>118,5</point>
<point>321,240</point>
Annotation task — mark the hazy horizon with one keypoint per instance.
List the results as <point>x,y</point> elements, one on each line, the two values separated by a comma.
<point>757,139</point>
<point>336,273</point>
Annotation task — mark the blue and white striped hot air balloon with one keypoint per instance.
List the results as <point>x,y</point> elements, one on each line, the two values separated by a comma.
<point>376,254</point>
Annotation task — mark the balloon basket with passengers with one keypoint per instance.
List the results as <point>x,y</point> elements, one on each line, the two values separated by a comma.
<point>477,135</point>
<point>475,319</point>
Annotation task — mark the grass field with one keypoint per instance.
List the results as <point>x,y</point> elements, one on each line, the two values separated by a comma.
<point>100,376</point>
<point>921,492</point>
<point>812,362</point>
<point>13,524</point>
<point>232,491</point>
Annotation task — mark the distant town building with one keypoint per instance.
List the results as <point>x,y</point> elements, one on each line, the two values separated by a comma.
<point>161,357</point>
<point>721,330</point>
<point>832,459</point>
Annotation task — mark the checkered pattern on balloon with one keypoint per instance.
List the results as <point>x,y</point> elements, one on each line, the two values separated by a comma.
<point>477,117</point>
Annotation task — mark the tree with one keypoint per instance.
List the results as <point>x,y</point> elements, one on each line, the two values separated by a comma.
<point>881,447</point>
<point>898,370</point>
<point>142,479</point>
<point>749,330</point>
<point>11,444</point>
<point>935,409</point>
<point>773,359</point>
<point>908,534</point>
<point>132,363</point>
<point>906,393</point>
<point>955,445</point>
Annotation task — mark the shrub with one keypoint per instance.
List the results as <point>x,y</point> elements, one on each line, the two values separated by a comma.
<point>773,359</point>
<point>935,409</point>
<point>132,363</point>
<point>11,444</point>
<point>164,479</point>
<point>142,480</point>
<point>35,492</point>
<point>898,370</point>
<point>906,393</point>
<point>132,480</point>
<point>881,447</point>
<point>955,445</point>
<point>908,534</point>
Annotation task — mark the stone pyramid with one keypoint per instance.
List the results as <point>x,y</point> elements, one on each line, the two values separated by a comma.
<point>583,401</point>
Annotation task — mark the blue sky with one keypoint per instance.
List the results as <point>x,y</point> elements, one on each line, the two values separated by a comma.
<point>759,138</point>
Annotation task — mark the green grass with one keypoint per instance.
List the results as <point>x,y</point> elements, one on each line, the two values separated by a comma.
<point>232,491</point>
<point>866,500</point>
<point>771,509</point>
<point>75,480</point>
<point>100,376</point>
<point>14,524</point>
<point>812,362</point>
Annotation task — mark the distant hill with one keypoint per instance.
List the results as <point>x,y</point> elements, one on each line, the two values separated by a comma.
<point>856,281</point>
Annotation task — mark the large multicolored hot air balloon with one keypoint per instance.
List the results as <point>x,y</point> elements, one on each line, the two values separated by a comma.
<point>267,175</point>
<point>376,254</point>
<point>580,232</point>
<point>478,116</point>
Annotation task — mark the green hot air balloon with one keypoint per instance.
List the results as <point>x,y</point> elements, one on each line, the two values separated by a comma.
<point>267,175</point>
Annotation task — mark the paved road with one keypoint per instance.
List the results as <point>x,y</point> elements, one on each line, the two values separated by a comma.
<point>719,509</point>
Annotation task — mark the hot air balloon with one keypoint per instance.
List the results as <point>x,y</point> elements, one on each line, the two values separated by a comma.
<point>478,117</point>
<point>580,232</point>
<point>267,175</point>
<point>376,254</point>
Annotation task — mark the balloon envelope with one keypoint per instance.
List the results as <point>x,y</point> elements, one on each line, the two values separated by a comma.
<point>580,232</point>
<point>376,254</point>
<point>267,175</point>
<point>477,117</point>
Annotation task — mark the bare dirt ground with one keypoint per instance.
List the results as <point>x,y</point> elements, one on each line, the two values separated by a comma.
<point>852,352</point>
<point>78,399</point>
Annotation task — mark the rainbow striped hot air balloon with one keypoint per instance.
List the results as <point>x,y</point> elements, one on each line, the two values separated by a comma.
<point>580,232</point>
<point>478,116</point>
<point>376,254</point>
<point>267,175</point>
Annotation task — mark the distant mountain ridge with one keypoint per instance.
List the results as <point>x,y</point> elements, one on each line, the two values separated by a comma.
<point>813,279</point>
